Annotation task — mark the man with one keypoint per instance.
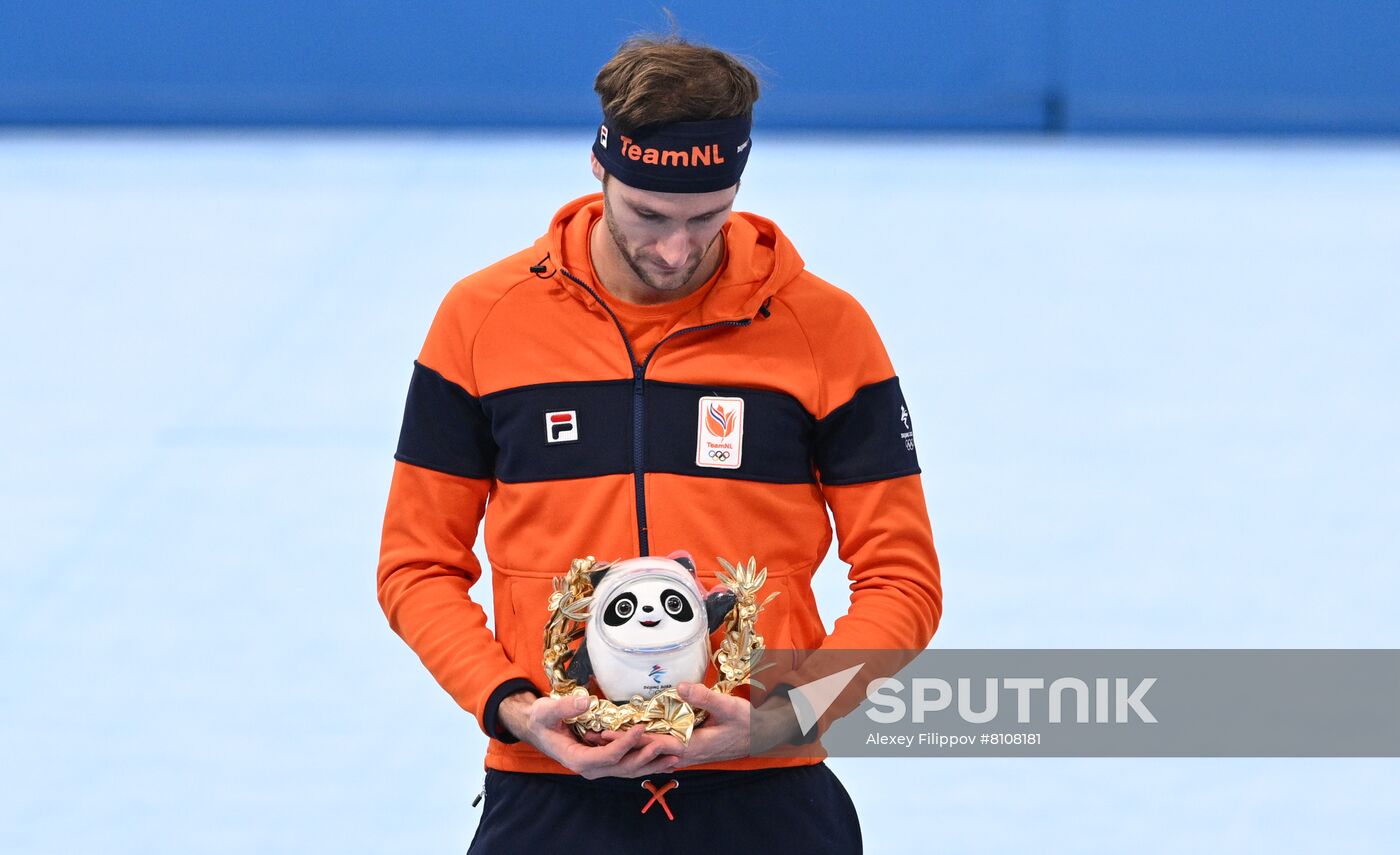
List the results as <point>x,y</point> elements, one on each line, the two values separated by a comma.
<point>656,373</point>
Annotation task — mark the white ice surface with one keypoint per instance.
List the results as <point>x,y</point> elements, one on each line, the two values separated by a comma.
<point>1148,381</point>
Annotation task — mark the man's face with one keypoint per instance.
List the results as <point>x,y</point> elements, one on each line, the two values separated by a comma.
<point>664,237</point>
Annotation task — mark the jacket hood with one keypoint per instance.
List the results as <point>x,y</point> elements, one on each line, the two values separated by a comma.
<point>759,261</point>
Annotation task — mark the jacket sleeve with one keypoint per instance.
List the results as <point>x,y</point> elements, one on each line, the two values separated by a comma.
<point>443,474</point>
<point>868,471</point>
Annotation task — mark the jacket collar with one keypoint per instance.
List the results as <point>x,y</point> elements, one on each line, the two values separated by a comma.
<point>761,260</point>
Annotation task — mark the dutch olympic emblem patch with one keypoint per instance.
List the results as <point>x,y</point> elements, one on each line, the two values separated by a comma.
<point>719,436</point>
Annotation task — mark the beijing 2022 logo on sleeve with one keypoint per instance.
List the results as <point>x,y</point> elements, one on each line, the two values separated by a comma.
<point>719,436</point>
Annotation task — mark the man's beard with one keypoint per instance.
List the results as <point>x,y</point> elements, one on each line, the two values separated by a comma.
<point>642,273</point>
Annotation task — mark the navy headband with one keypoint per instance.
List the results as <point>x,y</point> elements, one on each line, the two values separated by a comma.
<point>676,157</point>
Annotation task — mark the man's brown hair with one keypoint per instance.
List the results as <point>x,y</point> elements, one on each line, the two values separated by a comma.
<point>655,79</point>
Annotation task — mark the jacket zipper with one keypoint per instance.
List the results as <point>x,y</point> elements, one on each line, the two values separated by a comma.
<point>639,371</point>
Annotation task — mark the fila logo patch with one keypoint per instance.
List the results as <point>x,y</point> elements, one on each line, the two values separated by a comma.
<point>603,135</point>
<point>719,435</point>
<point>561,426</point>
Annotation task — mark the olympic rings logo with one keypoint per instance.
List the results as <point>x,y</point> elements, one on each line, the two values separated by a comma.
<point>719,455</point>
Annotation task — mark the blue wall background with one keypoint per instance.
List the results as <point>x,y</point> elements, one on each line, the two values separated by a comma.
<point>1232,66</point>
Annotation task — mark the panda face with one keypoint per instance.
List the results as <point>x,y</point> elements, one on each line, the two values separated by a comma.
<point>624,607</point>
<point>650,612</point>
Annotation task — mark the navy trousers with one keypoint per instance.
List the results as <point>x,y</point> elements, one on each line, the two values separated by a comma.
<point>799,809</point>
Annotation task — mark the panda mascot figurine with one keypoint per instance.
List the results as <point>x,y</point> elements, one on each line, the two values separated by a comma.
<point>649,627</point>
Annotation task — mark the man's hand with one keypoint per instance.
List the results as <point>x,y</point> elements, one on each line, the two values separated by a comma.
<point>631,754</point>
<point>724,734</point>
<point>734,728</point>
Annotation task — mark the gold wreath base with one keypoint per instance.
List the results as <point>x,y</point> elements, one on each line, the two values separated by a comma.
<point>663,712</point>
<point>736,658</point>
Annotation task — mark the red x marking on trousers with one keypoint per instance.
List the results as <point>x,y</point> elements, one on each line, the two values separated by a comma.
<point>659,795</point>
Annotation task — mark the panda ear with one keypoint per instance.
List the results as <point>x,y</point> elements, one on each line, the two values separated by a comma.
<point>681,557</point>
<point>595,576</point>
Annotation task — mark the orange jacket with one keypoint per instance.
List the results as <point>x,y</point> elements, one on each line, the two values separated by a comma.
<point>526,393</point>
